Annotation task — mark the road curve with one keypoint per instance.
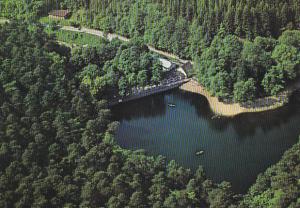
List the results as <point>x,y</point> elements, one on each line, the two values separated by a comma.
<point>111,36</point>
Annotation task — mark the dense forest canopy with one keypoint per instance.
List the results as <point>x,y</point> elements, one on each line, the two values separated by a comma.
<point>279,185</point>
<point>57,144</point>
<point>57,147</point>
<point>242,49</point>
<point>21,9</point>
<point>56,140</point>
<point>115,68</point>
<point>178,26</point>
<point>243,70</point>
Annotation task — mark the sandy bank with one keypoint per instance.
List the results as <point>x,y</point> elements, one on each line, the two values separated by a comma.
<point>223,109</point>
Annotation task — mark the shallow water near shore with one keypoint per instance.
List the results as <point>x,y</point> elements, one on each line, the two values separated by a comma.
<point>235,149</point>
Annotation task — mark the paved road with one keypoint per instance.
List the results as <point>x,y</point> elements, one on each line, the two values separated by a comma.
<point>111,36</point>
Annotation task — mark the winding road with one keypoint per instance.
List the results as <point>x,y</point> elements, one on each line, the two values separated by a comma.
<point>111,36</point>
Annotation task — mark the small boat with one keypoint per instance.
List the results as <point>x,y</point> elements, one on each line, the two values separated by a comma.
<point>171,105</point>
<point>199,152</point>
<point>216,116</point>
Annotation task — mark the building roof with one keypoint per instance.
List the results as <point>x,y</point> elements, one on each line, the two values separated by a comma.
<point>59,13</point>
<point>165,63</point>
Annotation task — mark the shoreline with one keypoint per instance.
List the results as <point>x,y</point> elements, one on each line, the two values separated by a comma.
<point>220,108</point>
<point>146,93</point>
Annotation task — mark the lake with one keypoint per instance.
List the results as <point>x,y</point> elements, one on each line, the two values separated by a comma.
<point>235,149</point>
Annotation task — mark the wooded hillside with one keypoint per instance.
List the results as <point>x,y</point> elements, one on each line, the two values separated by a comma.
<point>56,140</point>
<point>178,26</point>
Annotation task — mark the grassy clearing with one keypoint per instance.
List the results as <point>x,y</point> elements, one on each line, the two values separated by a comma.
<point>3,20</point>
<point>76,38</point>
<point>47,20</point>
<point>69,37</point>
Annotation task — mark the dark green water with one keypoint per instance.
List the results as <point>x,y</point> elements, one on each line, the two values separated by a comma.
<point>235,149</point>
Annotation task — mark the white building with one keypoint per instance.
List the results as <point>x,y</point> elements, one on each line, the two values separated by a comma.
<point>167,65</point>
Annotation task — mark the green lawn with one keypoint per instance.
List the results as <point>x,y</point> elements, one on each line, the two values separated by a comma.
<point>63,22</point>
<point>76,38</point>
<point>70,37</point>
<point>3,20</point>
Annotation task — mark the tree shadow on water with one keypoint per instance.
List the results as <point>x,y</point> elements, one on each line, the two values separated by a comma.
<point>246,124</point>
<point>150,106</point>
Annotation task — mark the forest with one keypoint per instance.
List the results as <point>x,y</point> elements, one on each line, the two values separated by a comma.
<point>110,68</point>
<point>244,70</point>
<point>57,147</point>
<point>243,50</point>
<point>121,67</point>
<point>182,27</point>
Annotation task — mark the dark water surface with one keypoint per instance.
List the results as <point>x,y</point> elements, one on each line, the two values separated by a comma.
<point>235,149</point>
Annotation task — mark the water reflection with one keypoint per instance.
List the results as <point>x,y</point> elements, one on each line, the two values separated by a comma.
<point>146,107</point>
<point>245,124</point>
<point>236,149</point>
